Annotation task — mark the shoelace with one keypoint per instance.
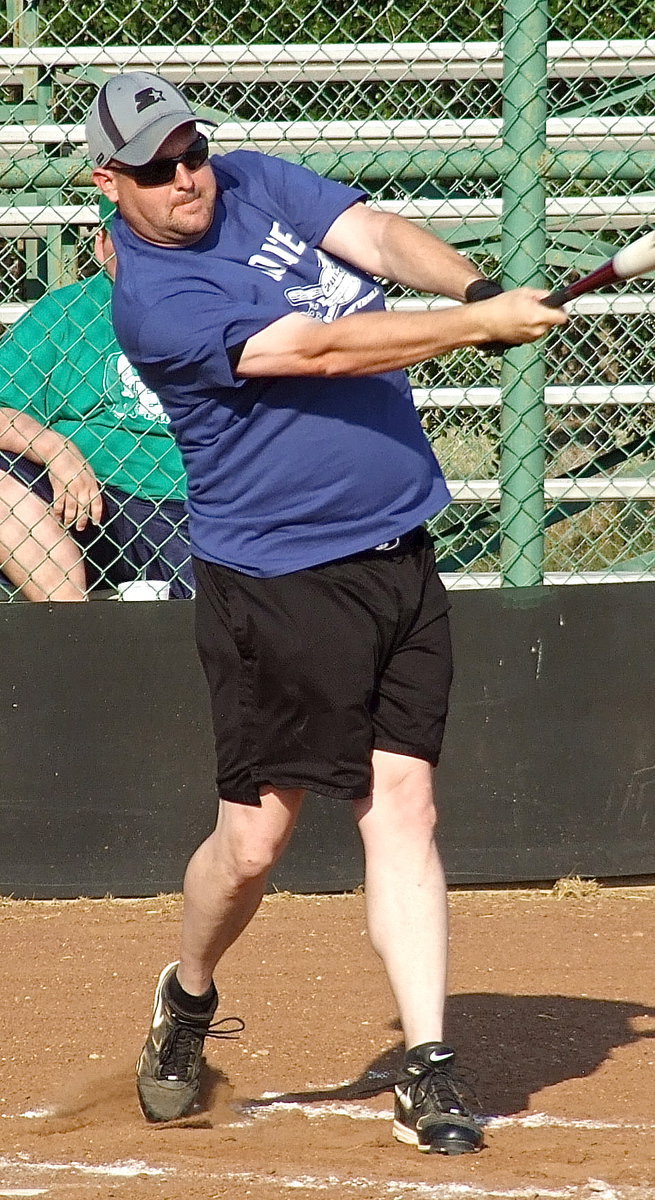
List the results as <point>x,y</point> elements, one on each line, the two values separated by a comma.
<point>180,1047</point>
<point>438,1086</point>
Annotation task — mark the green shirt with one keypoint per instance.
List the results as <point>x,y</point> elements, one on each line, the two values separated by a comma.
<point>61,364</point>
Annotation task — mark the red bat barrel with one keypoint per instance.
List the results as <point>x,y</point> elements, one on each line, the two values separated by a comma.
<point>636,259</point>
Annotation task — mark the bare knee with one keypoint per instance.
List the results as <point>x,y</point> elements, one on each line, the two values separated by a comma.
<point>402,801</point>
<point>410,815</point>
<point>250,840</point>
<point>251,858</point>
<point>36,552</point>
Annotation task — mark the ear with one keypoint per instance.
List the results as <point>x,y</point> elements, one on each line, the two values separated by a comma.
<point>104,252</point>
<point>104,178</point>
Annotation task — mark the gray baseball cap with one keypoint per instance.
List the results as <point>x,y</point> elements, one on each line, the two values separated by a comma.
<point>132,115</point>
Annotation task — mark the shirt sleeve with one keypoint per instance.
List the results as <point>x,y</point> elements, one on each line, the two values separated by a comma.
<point>310,201</point>
<point>28,356</point>
<point>188,348</point>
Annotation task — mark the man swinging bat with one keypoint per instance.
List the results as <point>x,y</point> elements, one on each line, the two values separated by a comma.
<point>247,299</point>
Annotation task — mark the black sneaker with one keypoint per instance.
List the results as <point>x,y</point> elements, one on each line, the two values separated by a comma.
<point>430,1112</point>
<point>168,1070</point>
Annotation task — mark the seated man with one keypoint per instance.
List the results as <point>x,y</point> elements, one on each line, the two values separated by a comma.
<point>92,486</point>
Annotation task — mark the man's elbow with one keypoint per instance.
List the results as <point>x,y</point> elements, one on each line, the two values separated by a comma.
<point>324,354</point>
<point>335,366</point>
<point>323,363</point>
<point>304,357</point>
<point>276,366</point>
<point>315,354</point>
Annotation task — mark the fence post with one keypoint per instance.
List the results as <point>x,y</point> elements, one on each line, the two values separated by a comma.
<point>41,254</point>
<point>523,247</point>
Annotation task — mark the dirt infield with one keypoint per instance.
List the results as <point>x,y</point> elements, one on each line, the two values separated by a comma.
<point>552,1013</point>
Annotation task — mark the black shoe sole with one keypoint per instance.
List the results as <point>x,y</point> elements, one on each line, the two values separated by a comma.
<point>451,1146</point>
<point>452,1149</point>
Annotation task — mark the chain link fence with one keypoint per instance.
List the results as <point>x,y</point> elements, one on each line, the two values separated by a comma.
<point>524,134</point>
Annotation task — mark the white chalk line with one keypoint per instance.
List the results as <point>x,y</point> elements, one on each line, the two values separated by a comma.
<point>24,1191</point>
<point>255,1110</point>
<point>127,1168</point>
<point>316,1111</point>
<point>397,1189</point>
<point>538,1120</point>
<point>361,1112</point>
<point>428,1191</point>
<point>400,1189</point>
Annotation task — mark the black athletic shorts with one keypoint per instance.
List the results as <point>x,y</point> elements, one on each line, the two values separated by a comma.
<point>309,672</point>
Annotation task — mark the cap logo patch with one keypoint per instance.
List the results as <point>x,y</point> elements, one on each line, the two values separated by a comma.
<point>147,97</point>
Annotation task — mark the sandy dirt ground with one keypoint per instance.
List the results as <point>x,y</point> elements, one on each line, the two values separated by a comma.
<point>552,1012</point>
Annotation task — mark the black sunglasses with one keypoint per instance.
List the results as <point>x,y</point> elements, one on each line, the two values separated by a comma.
<point>162,170</point>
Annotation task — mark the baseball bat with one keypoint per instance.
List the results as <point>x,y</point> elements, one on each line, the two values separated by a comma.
<point>636,259</point>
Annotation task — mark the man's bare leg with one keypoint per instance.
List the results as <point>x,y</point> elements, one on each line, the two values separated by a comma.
<point>226,878</point>
<point>36,553</point>
<point>406,902</point>
<point>223,888</point>
<point>408,923</point>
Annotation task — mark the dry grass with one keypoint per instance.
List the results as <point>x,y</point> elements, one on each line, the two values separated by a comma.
<point>570,887</point>
<point>574,887</point>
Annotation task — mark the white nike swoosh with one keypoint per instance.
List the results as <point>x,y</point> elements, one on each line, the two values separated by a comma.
<point>405,1099</point>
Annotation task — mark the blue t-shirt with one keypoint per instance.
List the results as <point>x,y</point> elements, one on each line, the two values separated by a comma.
<point>283,473</point>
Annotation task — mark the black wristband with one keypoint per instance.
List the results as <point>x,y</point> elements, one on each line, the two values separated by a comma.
<point>482,289</point>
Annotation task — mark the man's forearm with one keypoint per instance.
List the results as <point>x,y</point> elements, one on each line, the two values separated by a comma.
<point>22,434</point>
<point>371,343</point>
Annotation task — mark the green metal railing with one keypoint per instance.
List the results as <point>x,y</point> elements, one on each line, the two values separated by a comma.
<point>527,139</point>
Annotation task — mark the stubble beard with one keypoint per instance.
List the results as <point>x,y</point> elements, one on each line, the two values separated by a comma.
<point>190,225</point>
